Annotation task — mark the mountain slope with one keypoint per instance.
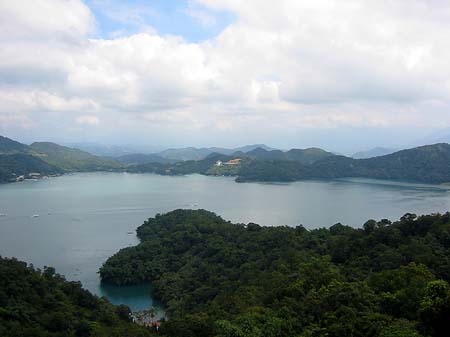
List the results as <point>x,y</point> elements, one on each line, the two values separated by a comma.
<point>426,164</point>
<point>14,165</point>
<point>70,159</point>
<point>9,146</point>
<point>304,156</point>
<point>193,153</point>
<point>375,152</point>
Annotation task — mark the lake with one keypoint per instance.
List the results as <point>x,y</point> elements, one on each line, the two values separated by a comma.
<point>85,218</point>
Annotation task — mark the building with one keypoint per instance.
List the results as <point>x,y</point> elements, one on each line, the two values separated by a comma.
<point>218,163</point>
<point>235,161</point>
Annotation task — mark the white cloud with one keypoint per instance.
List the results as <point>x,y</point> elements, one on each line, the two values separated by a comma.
<point>281,65</point>
<point>41,19</point>
<point>87,120</point>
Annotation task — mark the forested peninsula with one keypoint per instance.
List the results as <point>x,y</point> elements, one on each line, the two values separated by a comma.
<point>216,278</point>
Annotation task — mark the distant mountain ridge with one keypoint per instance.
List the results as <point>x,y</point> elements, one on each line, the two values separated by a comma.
<point>375,152</point>
<point>425,164</point>
<point>193,153</point>
<point>257,151</point>
<point>305,156</point>
<point>140,158</point>
<point>70,159</point>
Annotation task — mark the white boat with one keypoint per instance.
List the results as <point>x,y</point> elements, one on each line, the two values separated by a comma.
<point>35,216</point>
<point>2,214</point>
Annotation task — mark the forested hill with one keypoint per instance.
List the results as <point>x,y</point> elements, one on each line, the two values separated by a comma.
<point>36,303</point>
<point>9,146</point>
<point>426,164</point>
<point>70,159</point>
<point>303,156</point>
<point>18,164</point>
<point>17,159</point>
<point>232,280</point>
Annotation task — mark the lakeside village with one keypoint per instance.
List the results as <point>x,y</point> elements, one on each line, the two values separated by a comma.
<point>236,161</point>
<point>30,176</point>
<point>147,318</point>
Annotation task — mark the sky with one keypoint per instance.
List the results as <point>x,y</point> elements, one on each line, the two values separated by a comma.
<point>342,75</point>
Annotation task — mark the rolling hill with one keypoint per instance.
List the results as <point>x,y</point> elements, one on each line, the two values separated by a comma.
<point>375,152</point>
<point>425,164</point>
<point>193,153</point>
<point>9,146</point>
<point>304,156</point>
<point>71,160</point>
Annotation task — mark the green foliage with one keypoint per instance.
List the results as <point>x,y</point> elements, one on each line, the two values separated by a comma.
<point>386,279</point>
<point>42,303</point>
<point>435,308</point>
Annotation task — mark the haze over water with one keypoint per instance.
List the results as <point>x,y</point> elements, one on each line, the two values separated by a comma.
<point>85,218</point>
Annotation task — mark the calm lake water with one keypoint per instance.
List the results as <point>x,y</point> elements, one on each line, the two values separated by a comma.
<point>85,218</point>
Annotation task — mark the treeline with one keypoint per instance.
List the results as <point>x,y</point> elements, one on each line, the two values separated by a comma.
<point>35,303</point>
<point>233,280</point>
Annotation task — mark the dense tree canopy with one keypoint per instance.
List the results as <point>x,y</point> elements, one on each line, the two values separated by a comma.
<point>231,280</point>
<point>36,303</point>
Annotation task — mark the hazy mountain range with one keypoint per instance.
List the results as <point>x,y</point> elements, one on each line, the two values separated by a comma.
<point>427,164</point>
<point>375,152</point>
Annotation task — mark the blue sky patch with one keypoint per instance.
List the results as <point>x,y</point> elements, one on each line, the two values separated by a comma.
<point>185,18</point>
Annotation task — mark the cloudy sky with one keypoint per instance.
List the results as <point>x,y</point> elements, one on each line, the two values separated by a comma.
<point>344,75</point>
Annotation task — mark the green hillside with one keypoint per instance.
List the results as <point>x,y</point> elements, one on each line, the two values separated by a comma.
<point>70,159</point>
<point>233,280</point>
<point>35,303</point>
<point>303,156</point>
<point>426,164</point>
<point>14,165</point>
<point>9,146</point>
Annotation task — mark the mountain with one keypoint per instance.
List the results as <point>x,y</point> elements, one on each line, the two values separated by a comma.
<point>103,150</point>
<point>263,154</point>
<point>140,158</point>
<point>42,303</point>
<point>425,164</point>
<point>9,146</point>
<point>14,165</point>
<point>17,159</point>
<point>193,153</point>
<point>375,152</point>
<point>70,159</point>
<point>304,156</point>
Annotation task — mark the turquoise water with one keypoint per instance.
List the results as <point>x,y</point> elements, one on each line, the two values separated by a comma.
<point>85,218</point>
